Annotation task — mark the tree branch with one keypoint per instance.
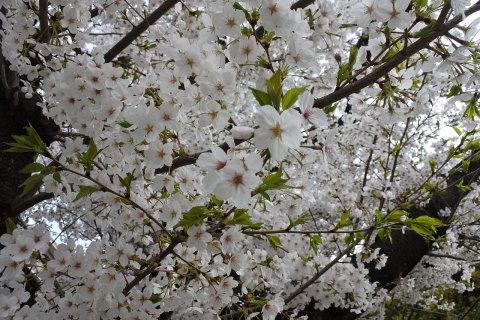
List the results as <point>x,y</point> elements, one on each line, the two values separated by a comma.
<point>138,30</point>
<point>182,161</point>
<point>151,268</point>
<point>394,61</point>
<point>43,17</point>
<point>301,4</point>
<point>15,211</point>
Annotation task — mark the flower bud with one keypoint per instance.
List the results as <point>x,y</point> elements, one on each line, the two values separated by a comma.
<point>338,58</point>
<point>242,132</point>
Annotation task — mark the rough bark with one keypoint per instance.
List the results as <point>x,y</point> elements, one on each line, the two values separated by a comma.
<point>16,113</point>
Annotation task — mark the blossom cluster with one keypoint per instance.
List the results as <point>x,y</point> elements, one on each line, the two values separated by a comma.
<point>199,172</point>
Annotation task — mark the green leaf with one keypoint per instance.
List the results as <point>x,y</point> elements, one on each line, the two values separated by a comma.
<point>274,89</point>
<point>275,97</point>
<point>124,124</point>
<point>419,228</point>
<point>155,298</point>
<point>238,6</point>
<point>56,177</point>
<point>425,225</point>
<point>275,82</point>
<point>297,222</point>
<point>378,217</point>
<point>92,151</point>
<point>315,240</point>
<point>454,90</point>
<point>395,216</point>
<point>274,240</point>
<point>432,164</point>
<point>425,32</point>
<point>348,239</point>
<point>352,58</point>
<point>195,216</point>
<point>38,143</point>
<point>330,108</point>
<point>255,226</point>
<point>31,182</point>
<point>218,202</point>
<point>262,97</point>
<point>33,167</point>
<point>385,233</point>
<point>29,143</point>
<point>343,73</point>
<point>273,178</point>
<point>265,195</point>
<point>421,3</point>
<point>85,191</point>
<point>10,226</point>
<point>472,109</point>
<point>240,217</point>
<point>343,224</point>
<point>459,133</point>
<point>127,181</point>
<point>389,55</point>
<point>291,97</point>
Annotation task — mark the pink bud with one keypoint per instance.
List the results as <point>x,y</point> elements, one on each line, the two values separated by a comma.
<point>242,132</point>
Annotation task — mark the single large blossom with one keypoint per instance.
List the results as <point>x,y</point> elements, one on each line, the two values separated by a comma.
<point>237,183</point>
<point>278,132</point>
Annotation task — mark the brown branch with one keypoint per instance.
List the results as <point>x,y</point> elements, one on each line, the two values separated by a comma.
<point>18,208</point>
<point>443,16</point>
<point>436,255</point>
<point>301,4</point>
<point>152,267</point>
<point>139,29</point>
<point>182,161</point>
<point>293,295</point>
<point>43,17</point>
<point>394,61</point>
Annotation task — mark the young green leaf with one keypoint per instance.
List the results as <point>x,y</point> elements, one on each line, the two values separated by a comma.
<point>33,167</point>
<point>291,96</point>
<point>85,191</point>
<point>262,97</point>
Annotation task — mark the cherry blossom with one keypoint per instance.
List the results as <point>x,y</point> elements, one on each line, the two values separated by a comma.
<point>209,160</point>
<point>277,132</point>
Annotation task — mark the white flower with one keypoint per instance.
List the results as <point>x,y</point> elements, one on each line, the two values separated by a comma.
<point>159,154</point>
<point>230,239</point>
<point>364,11</point>
<point>198,238</point>
<point>310,114</point>
<point>244,50</point>
<point>214,115</point>
<point>212,163</point>
<point>394,13</point>
<point>121,252</point>
<point>228,22</point>
<point>171,213</point>
<point>272,308</point>
<point>236,183</point>
<point>278,132</point>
